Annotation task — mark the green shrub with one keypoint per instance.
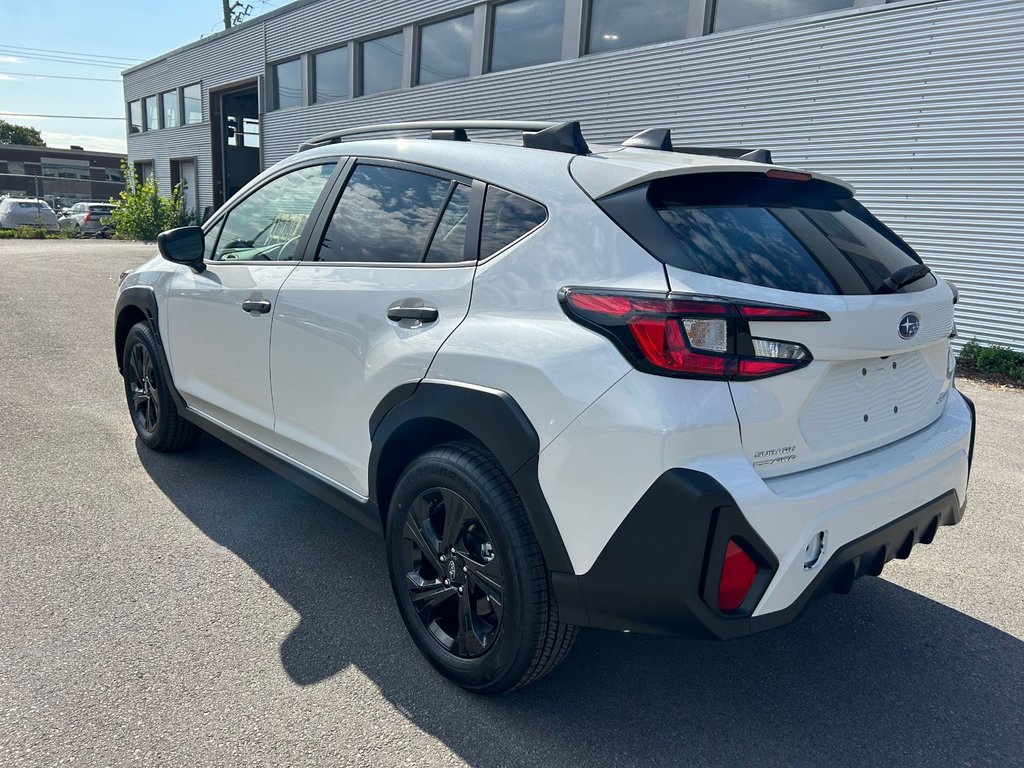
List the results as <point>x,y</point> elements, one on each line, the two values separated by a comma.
<point>992,362</point>
<point>142,213</point>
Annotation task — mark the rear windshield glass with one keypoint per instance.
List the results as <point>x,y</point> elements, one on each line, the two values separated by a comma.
<point>809,237</point>
<point>100,208</point>
<point>30,205</point>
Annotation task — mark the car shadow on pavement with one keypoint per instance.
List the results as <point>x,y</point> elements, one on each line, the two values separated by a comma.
<point>882,675</point>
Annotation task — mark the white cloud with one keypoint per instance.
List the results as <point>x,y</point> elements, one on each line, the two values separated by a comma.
<point>9,60</point>
<point>95,143</point>
<point>6,77</point>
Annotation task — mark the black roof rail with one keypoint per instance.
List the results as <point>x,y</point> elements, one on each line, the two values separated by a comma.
<point>537,134</point>
<point>661,139</point>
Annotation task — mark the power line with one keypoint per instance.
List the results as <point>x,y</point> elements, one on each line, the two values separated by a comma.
<point>60,59</point>
<point>64,77</point>
<point>59,117</point>
<point>83,54</point>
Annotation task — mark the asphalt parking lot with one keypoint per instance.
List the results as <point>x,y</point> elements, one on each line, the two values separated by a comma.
<point>195,609</point>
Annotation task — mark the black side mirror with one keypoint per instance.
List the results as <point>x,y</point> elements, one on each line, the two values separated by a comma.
<point>184,245</point>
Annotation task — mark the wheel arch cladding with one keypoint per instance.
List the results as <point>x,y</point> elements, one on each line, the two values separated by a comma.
<point>134,304</point>
<point>434,413</point>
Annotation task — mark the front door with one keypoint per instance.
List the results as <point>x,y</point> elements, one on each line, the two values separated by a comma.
<point>368,312</point>
<point>219,320</point>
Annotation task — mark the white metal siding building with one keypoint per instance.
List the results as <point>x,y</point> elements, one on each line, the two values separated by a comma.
<point>919,103</point>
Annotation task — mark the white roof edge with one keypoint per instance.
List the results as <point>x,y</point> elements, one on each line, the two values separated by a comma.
<point>607,172</point>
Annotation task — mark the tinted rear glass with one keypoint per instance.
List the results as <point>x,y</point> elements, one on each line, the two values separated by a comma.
<point>803,236</point>
<point>100,208</point>
<point>507,217</point>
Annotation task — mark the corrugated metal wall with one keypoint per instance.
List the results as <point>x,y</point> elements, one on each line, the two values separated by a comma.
<point>919,105</point>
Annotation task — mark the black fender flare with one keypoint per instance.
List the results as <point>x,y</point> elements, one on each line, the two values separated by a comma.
<point>493,418</point>
<point>141,297</point>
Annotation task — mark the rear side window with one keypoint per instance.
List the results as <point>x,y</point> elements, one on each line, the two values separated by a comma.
<point>801,236</point>
<point>748,245</point>
<point>449,242</point>
<point>507,217</point>
<point>384,215</point>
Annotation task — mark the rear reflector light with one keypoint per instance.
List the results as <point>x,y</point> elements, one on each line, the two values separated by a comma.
<point>690,336</point>
<point>738,574</point>
<point>775,173</point>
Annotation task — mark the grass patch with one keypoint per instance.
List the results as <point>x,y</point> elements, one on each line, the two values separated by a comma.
<point>998,365</point>
<point>32,233</point>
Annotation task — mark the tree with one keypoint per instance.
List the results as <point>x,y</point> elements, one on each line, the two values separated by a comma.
<point>20,134</point>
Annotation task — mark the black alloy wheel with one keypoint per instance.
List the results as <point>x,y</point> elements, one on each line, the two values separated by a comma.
<point>147,388</point>
<point>144,392</point>
<point>467,572</point>
<point>453,573</point>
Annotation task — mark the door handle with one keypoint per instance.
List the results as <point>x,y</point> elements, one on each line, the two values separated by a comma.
<point>252,305</point>
<point>423,314</point>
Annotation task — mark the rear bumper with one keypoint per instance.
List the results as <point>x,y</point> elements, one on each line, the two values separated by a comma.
<point>659,571</point>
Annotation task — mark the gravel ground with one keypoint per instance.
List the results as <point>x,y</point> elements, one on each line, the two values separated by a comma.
<point>197,610</point>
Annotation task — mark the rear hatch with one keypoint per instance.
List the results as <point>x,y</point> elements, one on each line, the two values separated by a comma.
<point>876,361</point>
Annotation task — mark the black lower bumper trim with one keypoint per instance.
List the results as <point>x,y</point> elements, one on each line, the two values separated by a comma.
<point>658,573</point>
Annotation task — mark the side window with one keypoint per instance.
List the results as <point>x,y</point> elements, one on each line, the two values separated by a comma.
<point>507,217</point>
<point>267,224</point>
<point>449,241</point>
<point>210,239</point>
<point>384,215</point>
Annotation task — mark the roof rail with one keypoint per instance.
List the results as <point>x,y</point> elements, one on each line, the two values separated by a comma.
<point>537,134</point>
<point>661,139</point>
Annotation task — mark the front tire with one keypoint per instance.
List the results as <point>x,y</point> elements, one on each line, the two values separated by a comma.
<point>468,575</point>
<point>146,387</point>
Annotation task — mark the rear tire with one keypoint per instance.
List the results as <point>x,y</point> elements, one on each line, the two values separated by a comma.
<point>468,575</point>
<point>147,389</point>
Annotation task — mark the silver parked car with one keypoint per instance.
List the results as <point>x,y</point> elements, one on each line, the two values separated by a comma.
<point>86,218</point>
<point>26,212</point>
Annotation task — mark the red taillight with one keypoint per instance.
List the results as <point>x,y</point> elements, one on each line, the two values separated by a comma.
<point>88,217</point>
<point>778,173</point>
<point>738,574</point>
<point>690,336</point>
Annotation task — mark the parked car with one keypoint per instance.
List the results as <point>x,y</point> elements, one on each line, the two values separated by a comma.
<point>636,387</point>
<point>26,212</point>
<point>87,218</point>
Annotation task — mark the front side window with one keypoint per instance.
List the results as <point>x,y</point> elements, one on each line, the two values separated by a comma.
<point>507,217</point>
<point>382,64</point>
<point>192,98</point>
<point>135,117</point>
<point>330,75</point>
<point>526,32</point>
<point>384,215</point>
<point>266,225</point>
<point>170,104</point>
<point>288,84</point>
<point>732,14</point>
<point>445,49</point>
<point>152,108</point>
<point>614,24</point>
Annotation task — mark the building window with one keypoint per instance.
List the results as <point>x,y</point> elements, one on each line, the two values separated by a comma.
<point>169,100</point>
<point>614,24</point>
<point>287,84</point>
<point>135,117</point>
<point>382,64</point>
<point>192,98</point>
<point>151,109</point>
<point>732,14</point>
<point>444,49</point>
<point>526,32</point>
<point>330,75</point>
<point>64,168</point>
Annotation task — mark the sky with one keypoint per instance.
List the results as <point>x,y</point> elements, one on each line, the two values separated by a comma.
<point>132,31</point>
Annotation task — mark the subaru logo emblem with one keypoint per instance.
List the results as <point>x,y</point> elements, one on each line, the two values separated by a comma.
<point>909,325</point>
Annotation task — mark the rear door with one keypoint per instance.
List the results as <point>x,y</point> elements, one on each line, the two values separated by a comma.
<point>368,310</point>
<point>219,320</point>
<point>881,362</point>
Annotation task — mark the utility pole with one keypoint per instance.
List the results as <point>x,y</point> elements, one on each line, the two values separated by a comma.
<point>234,12</point>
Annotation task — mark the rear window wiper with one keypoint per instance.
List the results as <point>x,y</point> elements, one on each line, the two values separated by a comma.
<point>904,276</point>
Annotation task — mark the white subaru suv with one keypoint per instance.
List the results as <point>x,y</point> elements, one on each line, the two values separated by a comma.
<point>630,387</point>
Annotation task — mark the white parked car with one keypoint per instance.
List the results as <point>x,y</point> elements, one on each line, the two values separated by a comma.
<point>611,386</point>
<point>26,212</point>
